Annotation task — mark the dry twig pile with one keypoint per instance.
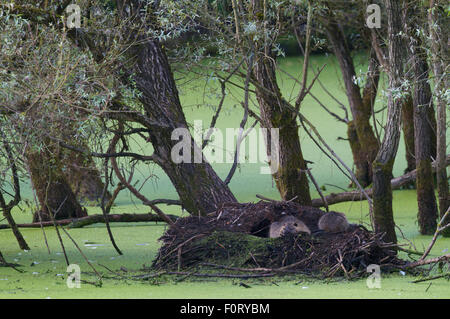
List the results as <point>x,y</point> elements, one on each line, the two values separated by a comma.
<point>235,238</point>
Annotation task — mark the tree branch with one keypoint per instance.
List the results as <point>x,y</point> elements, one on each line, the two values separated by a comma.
<point>243,122</point>
<point>97,218</point>
<point>133,190</point>
<point>104,155</point>
<point>396,183</point>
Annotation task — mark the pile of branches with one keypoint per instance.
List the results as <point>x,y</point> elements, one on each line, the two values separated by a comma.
<point>235,238</point>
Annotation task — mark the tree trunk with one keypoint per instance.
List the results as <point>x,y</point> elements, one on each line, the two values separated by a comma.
<point>51,187</point>
<point>439,53</point>
<point>2,259</point>
<point>199,187</point>
<point>408,133</point>
<point>382,166</point>
<point>431,118</point>
<point>362,166</point>
<point>147,69</point>
<point>45,166</point>
<point>423,135</point>
<point>12,224</point>
<point>7,208</point>
<point>83,177</point>
<point>290,178</point>
<point>361,107</point>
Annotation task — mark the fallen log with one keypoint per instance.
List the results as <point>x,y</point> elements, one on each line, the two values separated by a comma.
<point>351,196</point>
<point>92,219</point>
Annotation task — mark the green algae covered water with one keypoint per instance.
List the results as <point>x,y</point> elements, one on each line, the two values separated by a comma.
<point>45,273</point>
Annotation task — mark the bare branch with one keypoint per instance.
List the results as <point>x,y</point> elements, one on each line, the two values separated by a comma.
<point>133,190</point>
<point>216,116</point>
<point>303,91</point>
<point>104,155</point>
<point>243,122</point>
<point>396,183</point>
<point>313,180</point>
<point>439,229</point>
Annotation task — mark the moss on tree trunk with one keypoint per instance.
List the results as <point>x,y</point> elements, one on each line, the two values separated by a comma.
<point>199,187</point>
<point>362,167</point>
<point>291,177</point>
<point>382,166</point>
<point>382,201</point>
<point>83,177</point>
<point>424,135</point>
<point>52,189</point>
<point>437,19</point>
<point>361,106</point>
<point>427,214</point>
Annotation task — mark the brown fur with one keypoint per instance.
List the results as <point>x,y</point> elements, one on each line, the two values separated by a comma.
<point>287,225</point>
<point>333,222</point>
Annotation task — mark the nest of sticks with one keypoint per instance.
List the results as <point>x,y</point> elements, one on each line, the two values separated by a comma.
<point>235,238</point>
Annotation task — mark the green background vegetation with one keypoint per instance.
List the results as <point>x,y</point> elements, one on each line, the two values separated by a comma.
<point>45,273</point>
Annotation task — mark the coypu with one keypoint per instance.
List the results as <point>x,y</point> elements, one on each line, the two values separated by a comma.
<point>333,222</point>
<point>287,225</point>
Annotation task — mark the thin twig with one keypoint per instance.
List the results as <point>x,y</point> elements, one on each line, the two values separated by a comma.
<point>446,275</point>
<point>136,193</point>
<point>439,229</point>
<point>242,125</point>
<point>105,211</point>
<point>313,180</point>
<point>81,252</point>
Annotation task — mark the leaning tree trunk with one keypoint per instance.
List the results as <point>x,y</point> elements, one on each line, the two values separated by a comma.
<point>439,53</point>
<point>15,230</point>
<point>146,68</point>
<point>361,106</point>
<point>290,178</point>
<point>383,164</point>
<point>8,207</point>
<point>54,193</point>
<point>423,135</point>
<point>2,259</point>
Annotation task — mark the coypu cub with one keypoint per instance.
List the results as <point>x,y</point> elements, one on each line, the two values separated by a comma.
<point>333,222</point>
<point>287,225</point>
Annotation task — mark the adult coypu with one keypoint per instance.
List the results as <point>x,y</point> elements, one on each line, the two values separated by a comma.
<point>333,222</point>
<point>287,225</point>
